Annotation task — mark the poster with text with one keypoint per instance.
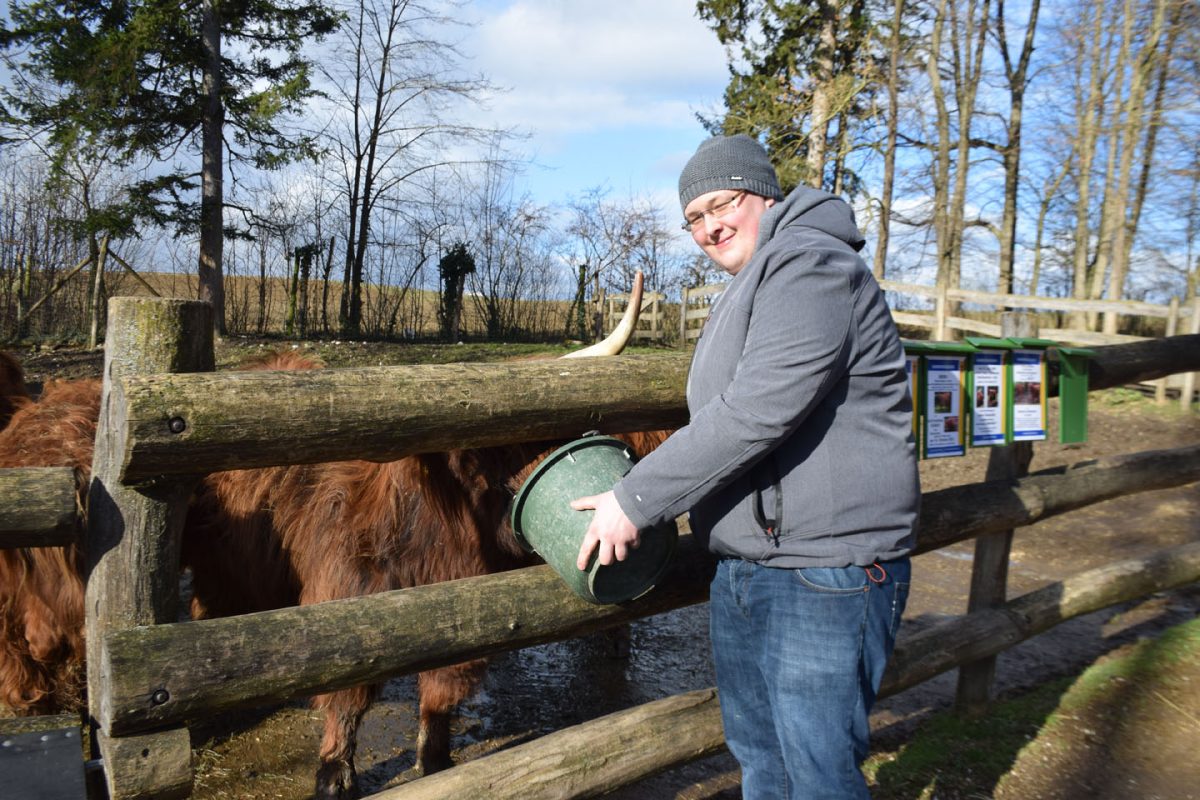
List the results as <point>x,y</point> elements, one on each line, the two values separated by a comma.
<point>1029,395</point>
<point>990,399</point>
<point>944,387</point>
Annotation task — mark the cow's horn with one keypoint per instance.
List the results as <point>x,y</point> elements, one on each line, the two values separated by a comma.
<point>615,342</point>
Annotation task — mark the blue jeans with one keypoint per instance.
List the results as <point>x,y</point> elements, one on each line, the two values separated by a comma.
<point>799,656</point>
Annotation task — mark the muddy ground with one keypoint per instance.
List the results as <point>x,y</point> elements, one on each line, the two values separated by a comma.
<point>272,753</point>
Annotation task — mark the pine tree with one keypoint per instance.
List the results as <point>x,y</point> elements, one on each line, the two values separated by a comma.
<point>800,76</point>
<point>151,79</point>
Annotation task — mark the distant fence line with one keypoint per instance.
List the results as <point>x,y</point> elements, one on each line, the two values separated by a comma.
<point>940,322</point>
<point>696,304</point>
<point>651,323</point>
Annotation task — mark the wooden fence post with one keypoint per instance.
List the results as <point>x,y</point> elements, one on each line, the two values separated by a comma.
<point>1160,385</point>
<point>599,320</point>
<point>133,535</point>
<point>683,309</point>
<point>1189,379</point>
<point>939,310</point>
<point>989,570</point>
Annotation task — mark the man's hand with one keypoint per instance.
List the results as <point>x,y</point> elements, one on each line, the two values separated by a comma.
<point>610,529</point>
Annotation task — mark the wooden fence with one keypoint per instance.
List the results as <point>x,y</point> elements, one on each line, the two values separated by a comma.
<point>1179,318</point>
<point>650,323</point>
<point>163,426</point>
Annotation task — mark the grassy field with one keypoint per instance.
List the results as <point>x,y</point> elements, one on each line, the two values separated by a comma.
<point>1131,719</point>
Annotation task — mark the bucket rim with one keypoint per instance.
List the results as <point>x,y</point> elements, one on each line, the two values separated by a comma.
<point>549,461</point>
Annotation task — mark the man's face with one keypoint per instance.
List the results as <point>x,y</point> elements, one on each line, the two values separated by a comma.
<point>725,225</point>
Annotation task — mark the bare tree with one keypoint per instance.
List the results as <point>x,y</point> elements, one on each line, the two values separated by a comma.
<point>508,235</point>
<point>1141,126</point>
<point>955,53</point>
<point>1016,74</point>
<point>1089,61</point>
<point>602,237</point>
<point>892,122</point>
<point>394,84</point>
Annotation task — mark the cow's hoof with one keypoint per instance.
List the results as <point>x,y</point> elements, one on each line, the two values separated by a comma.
<point>337,781</point>
<point>429,764</point>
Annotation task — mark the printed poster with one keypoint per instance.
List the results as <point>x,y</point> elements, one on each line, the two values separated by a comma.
<point>1029,395</point>
<point>990,400</point>
<point>944,377</point>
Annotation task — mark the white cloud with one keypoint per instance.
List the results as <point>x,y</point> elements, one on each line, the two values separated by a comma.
<point>578,65</point>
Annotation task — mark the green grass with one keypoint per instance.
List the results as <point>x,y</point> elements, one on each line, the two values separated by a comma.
<point>233,350</point>
<point>1123,399</point>
<point>954,757</point>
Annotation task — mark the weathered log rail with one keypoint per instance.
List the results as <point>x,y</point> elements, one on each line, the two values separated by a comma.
<point>45,515</point>
<point>160,430</point>
<point>628,746</point>
<point>247,660</point>
<point>181,424</point>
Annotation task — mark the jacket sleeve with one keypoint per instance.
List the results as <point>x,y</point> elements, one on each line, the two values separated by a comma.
<point>797,346</point>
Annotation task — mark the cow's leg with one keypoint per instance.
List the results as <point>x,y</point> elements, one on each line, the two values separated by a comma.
<point>439,691</point>
<point>336,777</point>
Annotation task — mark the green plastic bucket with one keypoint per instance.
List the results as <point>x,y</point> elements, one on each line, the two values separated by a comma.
<point>545,523</point>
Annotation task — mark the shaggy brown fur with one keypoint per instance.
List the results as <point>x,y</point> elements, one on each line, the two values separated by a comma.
<point>12,387</point>
<point>268,538</point>
<point>41,589</point>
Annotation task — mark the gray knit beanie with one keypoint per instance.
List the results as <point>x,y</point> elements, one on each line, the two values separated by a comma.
<point>728,162</point>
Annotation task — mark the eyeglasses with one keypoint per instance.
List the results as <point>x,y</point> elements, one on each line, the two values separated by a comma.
<point>716,212</point>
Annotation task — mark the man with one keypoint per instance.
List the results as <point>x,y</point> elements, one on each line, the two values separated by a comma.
<point>798,468</point>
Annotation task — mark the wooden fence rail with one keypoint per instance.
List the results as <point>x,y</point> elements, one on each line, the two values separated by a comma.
<point>46,514</point>
<point>219,664</point>
<point>628,746</point>
<point>182,424</point>
<point>160,430</point>
<point>696,302</point>
<point>695,308</point>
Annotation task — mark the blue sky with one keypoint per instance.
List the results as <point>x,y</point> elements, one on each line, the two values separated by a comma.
<point>607,91</point>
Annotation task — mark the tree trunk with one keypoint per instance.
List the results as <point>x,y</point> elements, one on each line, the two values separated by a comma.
<point>968,46</point>
<point>1087,122</point>
<point>1048,195</point>
<point>325,273</point>
<point>24,291</point>
<point>941,157</point>
<point>293,292</point>
<point>822,102</point>
<point>1112,207</point>
<point>889,152</point>
<point>262,285</point>
<point>97,294</point>
<point>366,198</point>
<point>211,278</point>
<point>1012,148</point>
<point>1125,227</point>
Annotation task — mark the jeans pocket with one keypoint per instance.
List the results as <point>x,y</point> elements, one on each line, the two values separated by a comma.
<point>832,580</point>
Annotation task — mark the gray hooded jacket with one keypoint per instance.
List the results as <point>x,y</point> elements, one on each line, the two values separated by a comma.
<point>800,449</point>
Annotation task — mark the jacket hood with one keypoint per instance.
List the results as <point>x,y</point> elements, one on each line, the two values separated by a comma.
<point>811,208</point>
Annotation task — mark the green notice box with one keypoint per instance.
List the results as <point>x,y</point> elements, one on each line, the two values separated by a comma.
<point>1073,365</point>
<point>943,416</point>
